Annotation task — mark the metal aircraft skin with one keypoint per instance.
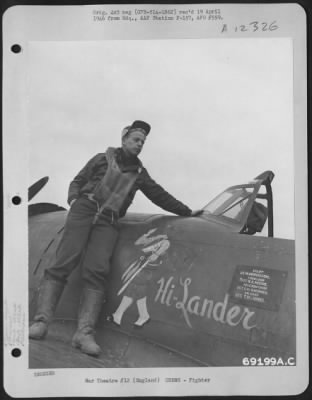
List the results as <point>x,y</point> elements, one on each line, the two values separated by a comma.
<point>216,293</point>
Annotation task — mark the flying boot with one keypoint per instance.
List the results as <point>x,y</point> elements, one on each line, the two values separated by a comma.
<point>90,308</point>
<point>49,294</point>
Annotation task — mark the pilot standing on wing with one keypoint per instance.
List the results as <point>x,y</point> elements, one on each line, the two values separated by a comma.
<point>98,196</point>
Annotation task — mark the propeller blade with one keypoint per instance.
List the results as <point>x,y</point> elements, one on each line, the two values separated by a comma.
<point>36,187</point>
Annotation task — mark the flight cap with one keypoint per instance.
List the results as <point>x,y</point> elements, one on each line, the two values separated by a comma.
<point>137,125</point>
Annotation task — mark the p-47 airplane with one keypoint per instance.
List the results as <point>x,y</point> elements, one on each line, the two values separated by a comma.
<point>217,294</point>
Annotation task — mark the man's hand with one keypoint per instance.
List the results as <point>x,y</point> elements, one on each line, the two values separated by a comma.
<point>196,213</point>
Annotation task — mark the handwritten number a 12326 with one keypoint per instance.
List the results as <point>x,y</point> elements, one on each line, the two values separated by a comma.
<point>265,26</point>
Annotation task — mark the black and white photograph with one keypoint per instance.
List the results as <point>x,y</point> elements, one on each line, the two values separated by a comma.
<point>160,184</point>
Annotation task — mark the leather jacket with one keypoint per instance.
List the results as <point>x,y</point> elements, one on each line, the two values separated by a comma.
<point>91,174</point>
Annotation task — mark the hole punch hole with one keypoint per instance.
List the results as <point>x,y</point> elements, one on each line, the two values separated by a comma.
<point>16,200</point>
<point>16,48</point>
<point>16,352</point>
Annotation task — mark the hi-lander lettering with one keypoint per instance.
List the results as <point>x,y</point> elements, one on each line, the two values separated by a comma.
<point>202,307</point>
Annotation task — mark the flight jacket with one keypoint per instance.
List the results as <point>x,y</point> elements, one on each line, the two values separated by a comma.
<point>91,174</point>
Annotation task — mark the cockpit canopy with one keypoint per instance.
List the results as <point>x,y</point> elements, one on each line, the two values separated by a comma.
<point>238,208</point>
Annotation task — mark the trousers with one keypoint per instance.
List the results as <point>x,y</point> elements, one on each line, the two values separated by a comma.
<point>86,244</point>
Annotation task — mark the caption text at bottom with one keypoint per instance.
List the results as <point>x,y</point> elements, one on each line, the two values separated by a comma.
<point>147,380</point>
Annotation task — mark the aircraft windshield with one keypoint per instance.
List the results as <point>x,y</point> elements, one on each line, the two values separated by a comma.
<point>230,203</point>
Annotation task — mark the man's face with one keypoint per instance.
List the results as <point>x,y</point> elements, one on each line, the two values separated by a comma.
<point>133,142</point>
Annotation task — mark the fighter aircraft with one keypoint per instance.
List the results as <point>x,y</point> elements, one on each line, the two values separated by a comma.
<point>218,293</point>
